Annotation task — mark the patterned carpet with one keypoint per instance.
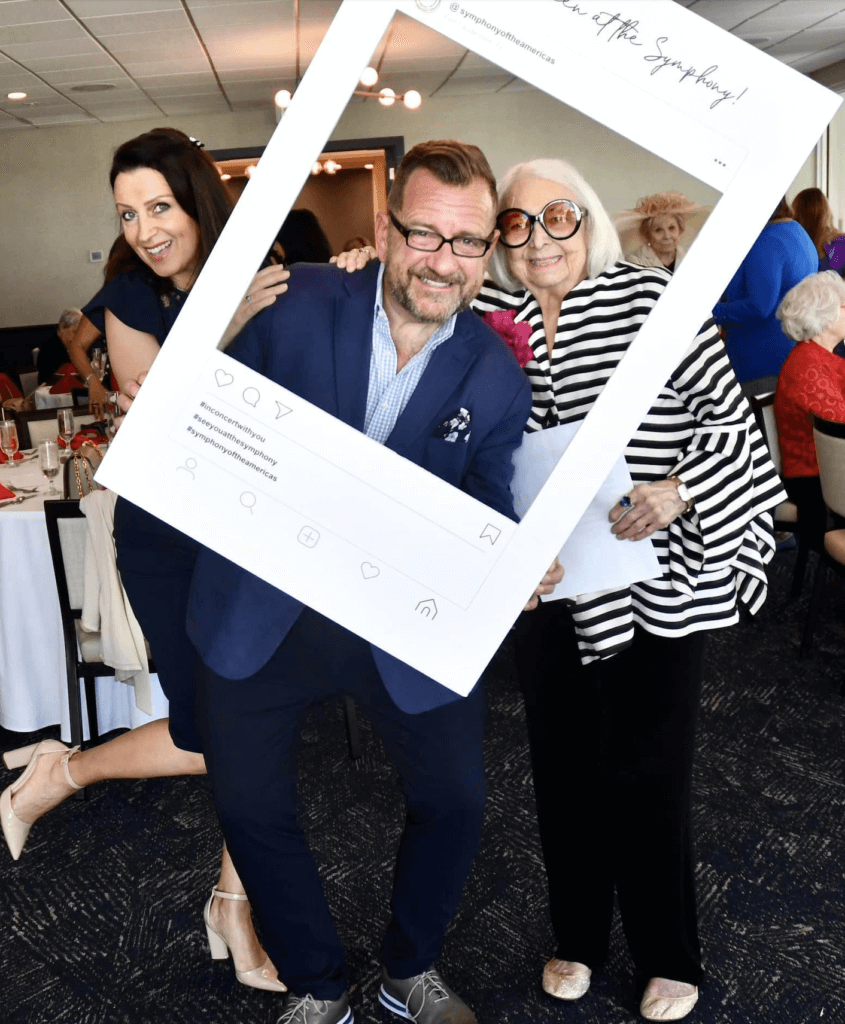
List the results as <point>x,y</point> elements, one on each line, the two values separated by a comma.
<point>101,916</point>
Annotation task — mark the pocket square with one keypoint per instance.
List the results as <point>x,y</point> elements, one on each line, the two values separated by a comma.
<point>455,428</point>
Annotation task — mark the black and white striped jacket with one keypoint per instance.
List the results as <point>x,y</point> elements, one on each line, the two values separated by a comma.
<point>700,428</point>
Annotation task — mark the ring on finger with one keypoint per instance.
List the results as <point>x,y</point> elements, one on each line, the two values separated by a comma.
<point>626,503</point>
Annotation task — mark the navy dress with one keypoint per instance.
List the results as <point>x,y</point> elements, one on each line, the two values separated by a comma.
<point>155,561</point>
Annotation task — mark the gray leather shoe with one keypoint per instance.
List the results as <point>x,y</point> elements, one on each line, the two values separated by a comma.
<point>308,1010</point>
<point>424,999</point>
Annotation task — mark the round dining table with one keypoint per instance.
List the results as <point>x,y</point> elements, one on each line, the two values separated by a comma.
<point>33,676</point>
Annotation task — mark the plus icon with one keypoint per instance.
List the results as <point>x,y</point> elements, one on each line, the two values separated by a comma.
<point>308,537</point>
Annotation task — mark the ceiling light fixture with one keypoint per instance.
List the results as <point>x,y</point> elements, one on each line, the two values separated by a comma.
<point>369,77</point>
<point>282,99</point>
<point>16,96</point>
<point>387,97</point>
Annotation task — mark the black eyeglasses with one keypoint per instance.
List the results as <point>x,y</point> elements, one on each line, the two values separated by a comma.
<point>430,241</point>
<point>560,219</point>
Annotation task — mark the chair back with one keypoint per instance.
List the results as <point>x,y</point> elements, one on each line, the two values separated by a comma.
<point>830,452</point>
<point>42,425</point>
<point>67,533</point>
<point>764,411</point>
<point>29,381</point>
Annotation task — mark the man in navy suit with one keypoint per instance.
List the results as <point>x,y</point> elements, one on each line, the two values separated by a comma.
<point>394,352</point>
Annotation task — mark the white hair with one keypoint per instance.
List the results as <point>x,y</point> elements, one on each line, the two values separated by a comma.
<point>812,305</point>
<point>603,248</point>
<point>70,318</point>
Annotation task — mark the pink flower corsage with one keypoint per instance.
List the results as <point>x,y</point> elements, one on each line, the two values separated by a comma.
<point>517,336</point>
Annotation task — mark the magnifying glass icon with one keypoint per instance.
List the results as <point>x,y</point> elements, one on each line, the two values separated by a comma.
<point>248,500</point>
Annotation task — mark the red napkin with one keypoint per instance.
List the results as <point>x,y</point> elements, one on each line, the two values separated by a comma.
<point>4,458</point>
<point>8,388</point>
<point>5,493</point>
<point>69,380</point>
<point>90,434</point>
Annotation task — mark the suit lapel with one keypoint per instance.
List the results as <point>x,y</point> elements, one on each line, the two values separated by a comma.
<point>442,378</point>
<point>353,343</point>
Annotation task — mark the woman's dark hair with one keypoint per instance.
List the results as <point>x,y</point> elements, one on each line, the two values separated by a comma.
<point>194,181</point>
<point>782,210</point>
<point>303,240</point>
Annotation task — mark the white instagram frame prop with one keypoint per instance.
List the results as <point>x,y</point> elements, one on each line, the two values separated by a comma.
<point>664,78</point>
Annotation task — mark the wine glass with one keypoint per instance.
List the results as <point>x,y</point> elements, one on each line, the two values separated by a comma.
<point>9,440</point>
<point>65,420</point>
<point>98,363</point>
<point>48,458</point>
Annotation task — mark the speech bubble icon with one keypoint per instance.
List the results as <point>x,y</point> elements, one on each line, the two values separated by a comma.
<point>251,396</point>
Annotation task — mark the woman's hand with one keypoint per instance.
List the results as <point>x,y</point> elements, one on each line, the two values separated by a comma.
<point>127,396</point>
<point>97,397</point>
<point>547,584</point>
<point>266,285</point>
<point>354,259</point>
<point>646,508</point>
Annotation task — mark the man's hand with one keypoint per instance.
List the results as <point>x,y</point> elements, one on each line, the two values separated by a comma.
<point>354,259</point>
<point>547,584</point>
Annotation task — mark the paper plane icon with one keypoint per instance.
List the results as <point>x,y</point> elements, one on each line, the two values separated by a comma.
<point>283,409</point>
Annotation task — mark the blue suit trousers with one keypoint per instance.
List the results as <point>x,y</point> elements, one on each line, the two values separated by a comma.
<point>251,731</point>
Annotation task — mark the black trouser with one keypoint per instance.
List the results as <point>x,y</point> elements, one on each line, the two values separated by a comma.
<point>250,733</point>
<point>612,750</point>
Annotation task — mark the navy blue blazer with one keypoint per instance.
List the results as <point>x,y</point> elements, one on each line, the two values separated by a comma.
<point>316,340</point>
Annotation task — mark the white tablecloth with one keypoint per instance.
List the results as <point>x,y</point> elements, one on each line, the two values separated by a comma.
<point>44,400</point>
<point>33,678</point>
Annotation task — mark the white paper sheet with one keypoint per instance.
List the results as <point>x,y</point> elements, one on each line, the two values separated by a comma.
<point>657,75</point>
<point>592,557</point>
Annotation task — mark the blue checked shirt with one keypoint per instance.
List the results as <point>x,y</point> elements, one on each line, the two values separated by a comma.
<point>389,392</point>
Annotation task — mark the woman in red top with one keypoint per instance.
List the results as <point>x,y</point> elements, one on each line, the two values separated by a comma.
<point>812,381</point>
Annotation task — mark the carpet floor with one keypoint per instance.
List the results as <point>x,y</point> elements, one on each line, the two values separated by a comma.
<point>100,920</point>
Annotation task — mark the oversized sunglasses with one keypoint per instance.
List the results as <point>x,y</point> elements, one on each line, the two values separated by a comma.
<point>560,219</point>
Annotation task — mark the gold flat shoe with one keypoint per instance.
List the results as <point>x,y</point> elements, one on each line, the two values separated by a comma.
<point>566,986</point>
<point>654,1007</point>
<point>16,831</point>
<point>263,976</point>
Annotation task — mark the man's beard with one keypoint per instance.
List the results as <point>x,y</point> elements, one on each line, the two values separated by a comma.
<point>400,289</point>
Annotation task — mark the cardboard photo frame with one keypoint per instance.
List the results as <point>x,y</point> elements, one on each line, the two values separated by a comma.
<point>660,76</point>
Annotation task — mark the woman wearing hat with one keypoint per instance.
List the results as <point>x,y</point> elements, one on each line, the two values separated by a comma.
<point>650,233</point>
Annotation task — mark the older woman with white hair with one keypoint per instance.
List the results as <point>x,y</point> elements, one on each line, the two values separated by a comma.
<point>651,233</point>
<point>812,381</point>
<point>612,679</point>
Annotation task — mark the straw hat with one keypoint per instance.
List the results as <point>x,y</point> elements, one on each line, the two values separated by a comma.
<point>661,204</point>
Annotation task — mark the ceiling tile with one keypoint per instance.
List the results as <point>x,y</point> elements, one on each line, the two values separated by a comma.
<point>44,32</point>
<point>32,12</point>
<point>153,69</point>
<point>82,60</point>
<point>272,16</point>
<point>84,76</point>
<point>97,8</point>
<point>130,24</point>
<point>728,14</point>
<point>28,53</point>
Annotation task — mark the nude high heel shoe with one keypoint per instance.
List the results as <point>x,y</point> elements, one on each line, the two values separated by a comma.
<point>16,831</point>
<point>264,976</point>
<point>657,1007</point>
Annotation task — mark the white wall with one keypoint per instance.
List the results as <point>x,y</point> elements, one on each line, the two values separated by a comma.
<point>55,203</point>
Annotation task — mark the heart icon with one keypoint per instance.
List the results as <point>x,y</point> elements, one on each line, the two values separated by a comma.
<point>369,571</point>
<point>223,378</point>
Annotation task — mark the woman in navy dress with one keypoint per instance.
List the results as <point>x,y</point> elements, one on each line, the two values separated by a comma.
<point>172,207</point>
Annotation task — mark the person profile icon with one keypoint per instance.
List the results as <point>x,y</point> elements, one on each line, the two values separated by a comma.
<point>189,467</point>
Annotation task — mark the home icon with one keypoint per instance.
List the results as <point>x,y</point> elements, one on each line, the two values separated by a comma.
<point>427,608</point>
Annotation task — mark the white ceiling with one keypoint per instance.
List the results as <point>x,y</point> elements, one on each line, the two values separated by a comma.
<point>178,57</point>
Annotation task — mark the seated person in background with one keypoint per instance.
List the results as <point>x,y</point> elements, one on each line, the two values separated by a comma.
<point>650,232</point>
<point>355,242</point>
<point>782,256</point>
<point>302,239</point>
<point>54,352</point>
<point>812,381</point>
<point>85,337</point>
<point>812,211</point>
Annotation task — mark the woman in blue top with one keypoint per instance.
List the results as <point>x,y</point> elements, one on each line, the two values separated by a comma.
<point>782,256</point>
<point>172,207</point>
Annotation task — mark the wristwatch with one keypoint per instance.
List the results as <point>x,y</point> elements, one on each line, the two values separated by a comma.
<point>683,494</point>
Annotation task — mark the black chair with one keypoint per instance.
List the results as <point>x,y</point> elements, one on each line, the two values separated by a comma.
<point>66,531</point>
<point>830,452</point>
<point>41,425</point>
<point>786,514</point>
